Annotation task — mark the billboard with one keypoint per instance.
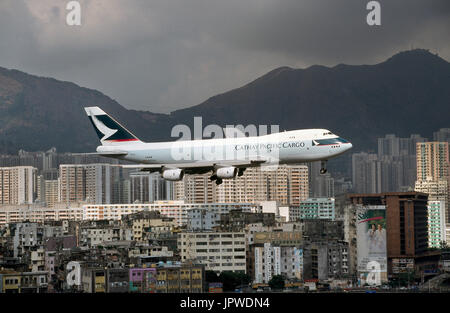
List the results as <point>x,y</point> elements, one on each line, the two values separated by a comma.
<point>371,244</point>
<point>298,263</point>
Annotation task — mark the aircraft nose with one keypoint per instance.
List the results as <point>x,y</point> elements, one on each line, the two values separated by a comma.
<point>349,146</point>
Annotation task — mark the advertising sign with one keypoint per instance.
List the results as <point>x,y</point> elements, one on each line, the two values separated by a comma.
<point>371,244</point>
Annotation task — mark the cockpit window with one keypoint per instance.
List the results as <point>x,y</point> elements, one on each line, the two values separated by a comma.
<point>321,142</point>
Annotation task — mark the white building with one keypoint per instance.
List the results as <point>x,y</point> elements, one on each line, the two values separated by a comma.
<point>218,251</point>
<point>316,208</point>
<point>18,185</point>
<point>436,223</point>
<point>271,260</point>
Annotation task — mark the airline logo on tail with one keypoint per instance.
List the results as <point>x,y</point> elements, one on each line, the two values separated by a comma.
<point>108,129</point>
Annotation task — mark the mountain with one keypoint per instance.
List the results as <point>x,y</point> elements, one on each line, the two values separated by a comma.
<point>408,93</point>
<point>37,113</point>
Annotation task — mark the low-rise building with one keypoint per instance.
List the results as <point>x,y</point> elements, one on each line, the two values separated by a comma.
<point>23,282</point>
<point>315,208</point>
<point>180,278</point>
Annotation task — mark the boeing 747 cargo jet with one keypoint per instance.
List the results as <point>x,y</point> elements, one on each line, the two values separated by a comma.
<point>225,158</point>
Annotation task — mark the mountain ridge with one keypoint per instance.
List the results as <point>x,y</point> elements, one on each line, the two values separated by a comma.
<point>408,93</point>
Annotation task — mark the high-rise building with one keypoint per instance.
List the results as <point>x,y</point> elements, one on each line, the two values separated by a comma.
<point>432,160</point>
<point>93,183</point>
<point>51,195</point>
<point>392,169</point>
<point>286,185</point>
<point>322,186</point>
<point>437,190</point>
<point>436,223</point>
<point>365,173</point>
<point>18,185</point>
<point>391,145</point>
<point>98,183</point>
<point>72,183</point>
<point>147,187</point>
<point>433,172</point>
<point>442,135</point>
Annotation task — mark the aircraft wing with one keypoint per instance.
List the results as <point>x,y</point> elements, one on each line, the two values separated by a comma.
<point>196,167</point>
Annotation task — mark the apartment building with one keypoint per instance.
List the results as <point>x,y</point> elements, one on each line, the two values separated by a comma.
<point>218,251</point>
<point>18,185</point>
<point>286,185</point>
<point>314,208</point>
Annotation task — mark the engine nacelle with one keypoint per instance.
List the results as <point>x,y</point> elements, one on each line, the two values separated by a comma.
<point>173,174</point>
<point>226,172</point>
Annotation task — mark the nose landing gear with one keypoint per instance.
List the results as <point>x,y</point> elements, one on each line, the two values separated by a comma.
<point>323,167</point>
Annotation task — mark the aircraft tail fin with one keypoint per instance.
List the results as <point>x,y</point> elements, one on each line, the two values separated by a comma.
<point>109,131</point>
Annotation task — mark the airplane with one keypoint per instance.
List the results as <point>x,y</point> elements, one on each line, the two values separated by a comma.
<point>226,158</point>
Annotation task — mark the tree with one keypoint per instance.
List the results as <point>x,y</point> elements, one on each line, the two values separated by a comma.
<point>211,277</point>
<point>277,282</point>
<point>231,280</point>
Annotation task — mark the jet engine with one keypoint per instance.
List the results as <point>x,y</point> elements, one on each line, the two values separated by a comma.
<point>173,174</point>
<point>226,172</point>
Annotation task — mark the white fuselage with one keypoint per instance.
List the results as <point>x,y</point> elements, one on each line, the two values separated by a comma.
<point>289,147</point>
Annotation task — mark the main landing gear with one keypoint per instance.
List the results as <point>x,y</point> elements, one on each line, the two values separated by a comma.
<point>323,167</point>
<point>217,179</point>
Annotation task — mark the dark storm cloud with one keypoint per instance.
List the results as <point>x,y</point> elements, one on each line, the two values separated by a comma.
<point>165,54</point>
<point>334,31</point>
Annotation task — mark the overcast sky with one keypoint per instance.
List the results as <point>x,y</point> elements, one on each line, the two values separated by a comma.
<point>161,55</point>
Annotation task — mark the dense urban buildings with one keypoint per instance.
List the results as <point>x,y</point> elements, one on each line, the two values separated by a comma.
<point>286,185</point>
<point>393,168</point>
<point>121,230</point>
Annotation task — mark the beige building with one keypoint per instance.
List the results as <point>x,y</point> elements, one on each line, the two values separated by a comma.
<point>93,183</point>
<point>18,185</point>
<point>72,183</point>
<point>51,192</point>
<point>38,213</point>
<point>287,185</point>
<point>433,172</point>
<point>148,223</point>
<point>218,251</point>
<point>432,160</point>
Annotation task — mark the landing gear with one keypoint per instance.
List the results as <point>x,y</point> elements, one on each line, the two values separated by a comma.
<point>323,167</point>
<point>217,179</point>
